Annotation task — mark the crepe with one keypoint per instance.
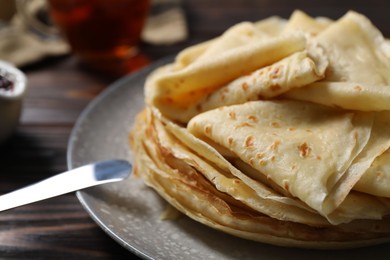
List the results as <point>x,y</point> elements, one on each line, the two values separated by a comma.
<point>300,21</point>
<point>172,89</point>
<point>276,131</point>
<point>179,180</point>
<point>289,143</point>
<point>350,83</point>
<point>376,179</point>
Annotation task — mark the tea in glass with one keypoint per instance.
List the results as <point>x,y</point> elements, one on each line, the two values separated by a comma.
<point>103,33</point>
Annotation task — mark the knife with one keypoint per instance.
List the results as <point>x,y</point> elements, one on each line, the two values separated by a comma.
<point>79,178</point>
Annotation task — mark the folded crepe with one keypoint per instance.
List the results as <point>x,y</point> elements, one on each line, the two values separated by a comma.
<point>358,75</point>
<point>296,145</point>
<point>276,131</point>
<point>174,88</point>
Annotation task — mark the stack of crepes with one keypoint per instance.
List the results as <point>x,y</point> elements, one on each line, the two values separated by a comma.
<point>276,131</point>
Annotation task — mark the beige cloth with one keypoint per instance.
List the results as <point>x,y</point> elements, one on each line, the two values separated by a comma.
<point>21,46</point>
<point>167,27</point>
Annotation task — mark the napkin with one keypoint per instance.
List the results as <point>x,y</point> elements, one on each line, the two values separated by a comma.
<point>166,23</point>
<point>20,45</point>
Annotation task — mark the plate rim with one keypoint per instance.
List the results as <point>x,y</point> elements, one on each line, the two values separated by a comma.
<point>114,86</point>
<point>110,88</point>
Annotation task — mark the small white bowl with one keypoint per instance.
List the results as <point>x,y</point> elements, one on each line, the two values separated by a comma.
<point>11,97</point>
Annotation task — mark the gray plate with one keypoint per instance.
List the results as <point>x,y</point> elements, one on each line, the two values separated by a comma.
<point>130,212</point>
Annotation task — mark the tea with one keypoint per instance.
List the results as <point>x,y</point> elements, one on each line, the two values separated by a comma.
<point>103,33</point>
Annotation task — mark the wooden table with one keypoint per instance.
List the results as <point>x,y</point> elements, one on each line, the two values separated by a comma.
<point>59,89</point>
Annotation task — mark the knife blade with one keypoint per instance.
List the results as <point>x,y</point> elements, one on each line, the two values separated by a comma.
<point>76,179</point>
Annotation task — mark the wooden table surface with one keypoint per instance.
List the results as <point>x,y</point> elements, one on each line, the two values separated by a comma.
<point>58,91</point>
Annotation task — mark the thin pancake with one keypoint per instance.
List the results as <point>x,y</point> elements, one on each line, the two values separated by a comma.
<point>172,90</point>
<point>183,187</point>
<point>304,148</point>
<point>275,131</point>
